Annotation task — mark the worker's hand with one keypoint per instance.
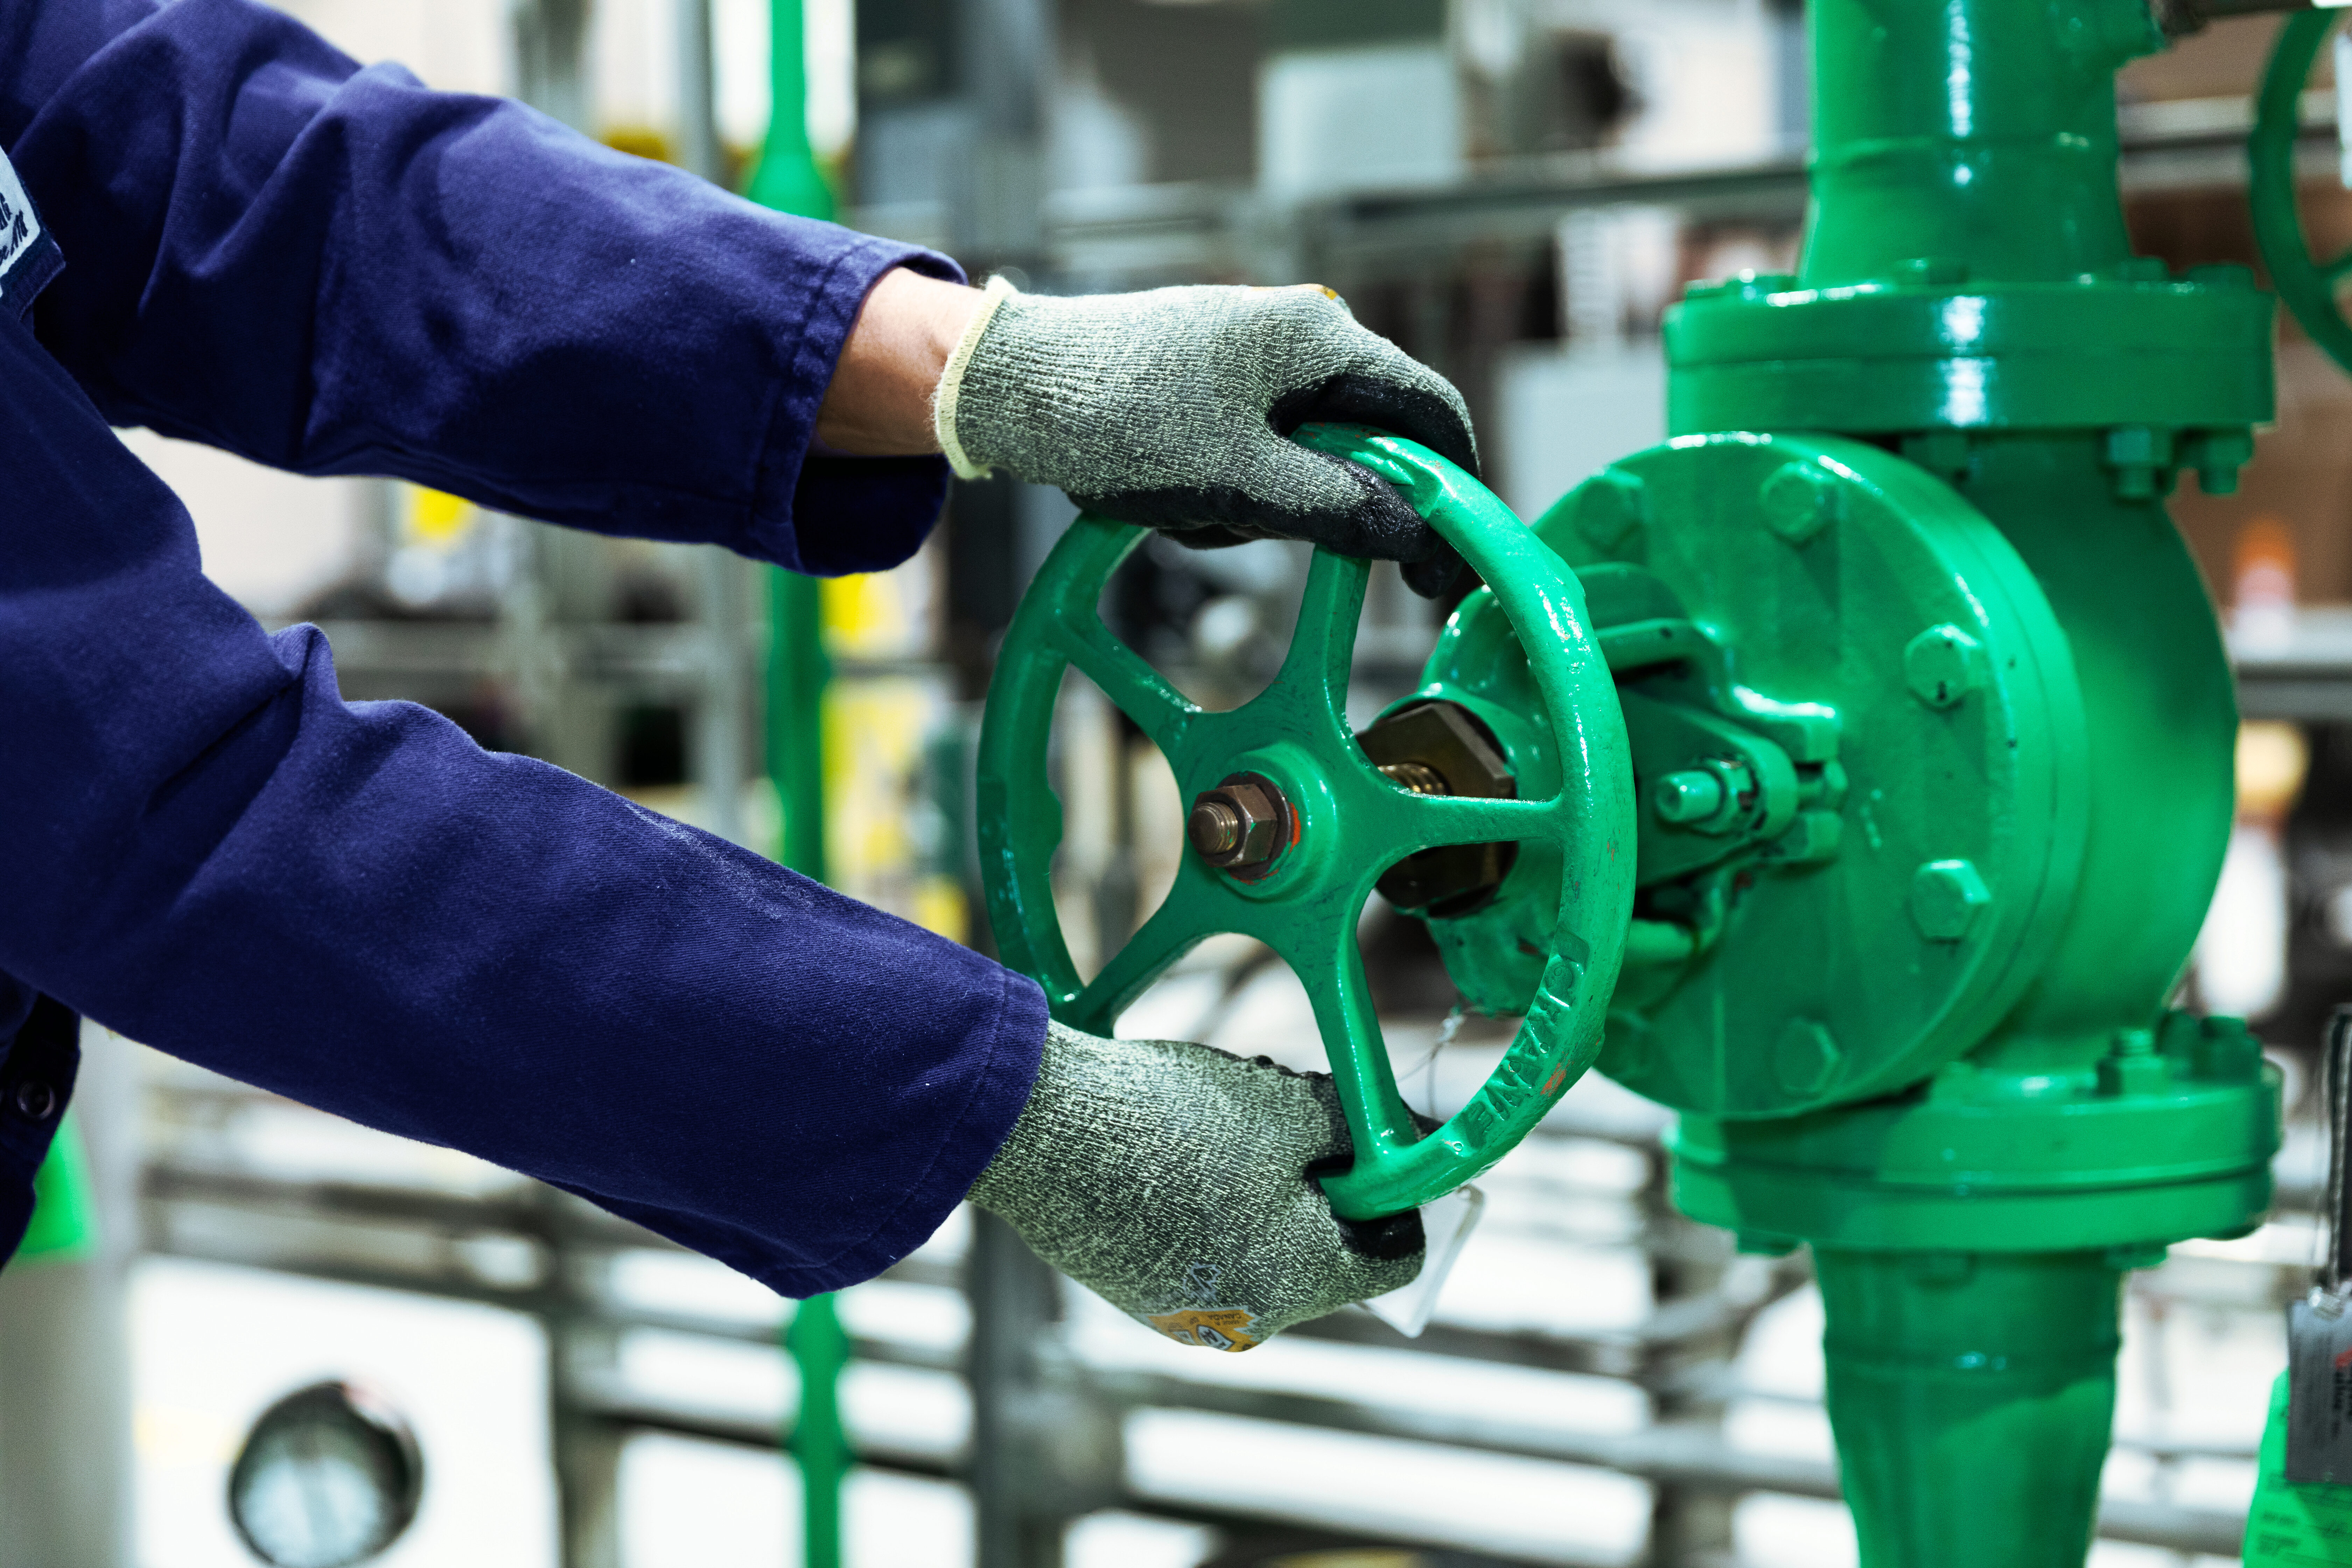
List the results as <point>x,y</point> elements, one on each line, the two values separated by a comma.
<point>1169,408</point>
<point>1171,1180</point>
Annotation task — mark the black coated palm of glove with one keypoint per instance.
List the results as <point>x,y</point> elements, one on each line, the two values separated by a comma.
<point>1169,408</point>
<point>1175,1182</point>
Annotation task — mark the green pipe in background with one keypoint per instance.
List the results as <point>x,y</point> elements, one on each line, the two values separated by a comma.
<point>65,1211</point>
<point>788,180</point>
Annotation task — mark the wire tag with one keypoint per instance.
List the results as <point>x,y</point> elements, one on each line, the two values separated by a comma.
<point>2319,1390</point>
<point>1446,1223</point>
<point>2319,1327</point>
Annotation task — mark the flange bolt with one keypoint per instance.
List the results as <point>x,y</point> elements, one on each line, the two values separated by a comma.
<point>1693,794</point>
<point>1238,825</point>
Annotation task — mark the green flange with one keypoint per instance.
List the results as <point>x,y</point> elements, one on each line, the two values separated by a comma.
<point>2134,348</point>
<point>2168,1137</point>
<point>1872,658</point>
<point>1933,736</point>
<point>1338,822</point>
<point>1967,266</point>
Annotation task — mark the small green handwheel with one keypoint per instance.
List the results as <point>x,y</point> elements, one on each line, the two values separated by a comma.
<point>1291,824</point>
<point>2306,284</point>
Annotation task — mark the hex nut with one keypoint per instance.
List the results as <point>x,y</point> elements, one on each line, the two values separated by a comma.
<point>1799,501</point>
<point>1945,897</point>
<point>1942,665</point>
<point>1238,826</point>
<point>1431,748</point>
<point>1611,505</point>
<point>1806,1056</point>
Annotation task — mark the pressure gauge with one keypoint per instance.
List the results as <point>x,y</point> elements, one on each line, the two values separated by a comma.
<point>329,1477</point>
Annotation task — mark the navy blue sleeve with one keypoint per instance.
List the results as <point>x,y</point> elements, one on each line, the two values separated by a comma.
<point>351,904</point>
<point>334,270</point>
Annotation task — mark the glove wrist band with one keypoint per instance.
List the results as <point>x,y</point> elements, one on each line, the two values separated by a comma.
<point>944,400</point>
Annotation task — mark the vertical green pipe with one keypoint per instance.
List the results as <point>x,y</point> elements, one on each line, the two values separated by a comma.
<point>1973,1394</point>
<point>1964,171</point>
<point>1978,133</point>
<point>787,179</point>
<point>64,1210</point>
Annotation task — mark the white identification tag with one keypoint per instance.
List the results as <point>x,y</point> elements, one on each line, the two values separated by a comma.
<point>28,257</point>
<point>19,224</point>
<point>1445,1225</point>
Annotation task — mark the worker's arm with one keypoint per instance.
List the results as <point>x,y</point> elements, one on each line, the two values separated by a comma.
<point>331,269</point>
<point>355,906</point>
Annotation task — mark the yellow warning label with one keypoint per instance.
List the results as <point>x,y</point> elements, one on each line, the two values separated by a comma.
<point>1219,1327</point>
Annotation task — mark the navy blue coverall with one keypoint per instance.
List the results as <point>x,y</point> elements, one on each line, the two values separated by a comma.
<point>332,270</point>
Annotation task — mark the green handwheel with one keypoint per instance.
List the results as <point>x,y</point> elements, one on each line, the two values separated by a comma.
<point>1292,824</point>
<point>2302,281</point>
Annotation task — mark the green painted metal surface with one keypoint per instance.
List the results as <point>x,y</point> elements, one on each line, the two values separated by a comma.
<point>1350,822</point>
<point>1968,133</point>
<point>2168,1135</point>
<point>2307,283</point>
<point>788,179</point>
<point>1903,965</point>
<point>1965,264</point>
<point>65,1209</point>
<point>1973,1394</point>
<point>1927,740</point>
<point>819,1439</point>
<point>1847,611</point>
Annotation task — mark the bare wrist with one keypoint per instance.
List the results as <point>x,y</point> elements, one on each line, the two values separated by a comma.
<point>880,404</point>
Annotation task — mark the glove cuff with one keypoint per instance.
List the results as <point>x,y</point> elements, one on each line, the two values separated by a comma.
<point>951,388</point>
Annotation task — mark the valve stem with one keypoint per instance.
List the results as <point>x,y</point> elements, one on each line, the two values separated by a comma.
<point>1418,777</point>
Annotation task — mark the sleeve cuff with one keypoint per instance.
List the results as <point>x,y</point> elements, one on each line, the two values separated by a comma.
<point>828,516</point>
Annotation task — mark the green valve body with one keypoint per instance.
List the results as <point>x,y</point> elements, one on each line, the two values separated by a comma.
<point>1933,730</point>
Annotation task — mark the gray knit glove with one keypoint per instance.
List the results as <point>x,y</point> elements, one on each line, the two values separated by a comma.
<point>1169,408</point>
<point>1172,1181</point>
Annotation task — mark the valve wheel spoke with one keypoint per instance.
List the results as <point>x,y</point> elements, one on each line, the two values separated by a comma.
<point>1323,647</point>
<point>1433,821</point>
<point>1327,961</point>
<point>1338,821</point>
<point>1135,689</point>
<point>1183,920</point>
<point>2333,272</point>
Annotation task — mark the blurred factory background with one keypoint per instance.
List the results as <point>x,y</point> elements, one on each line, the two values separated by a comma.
<point>1513,190</point>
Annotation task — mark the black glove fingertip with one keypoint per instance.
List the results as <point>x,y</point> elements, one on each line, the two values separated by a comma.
<point>1438,573</point>
<point>1384,1239</point>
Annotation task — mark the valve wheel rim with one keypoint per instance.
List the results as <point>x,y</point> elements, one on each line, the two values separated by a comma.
<point>2306,284</point>
<point>1349,823</point>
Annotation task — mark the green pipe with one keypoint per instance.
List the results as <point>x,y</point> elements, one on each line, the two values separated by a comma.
<point>820,1350</point>
<point>65,1211</point>
<point>787,179</point>
<point>1987,1383</point>
<point>1980,133</point>
<point>1967,295</point>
